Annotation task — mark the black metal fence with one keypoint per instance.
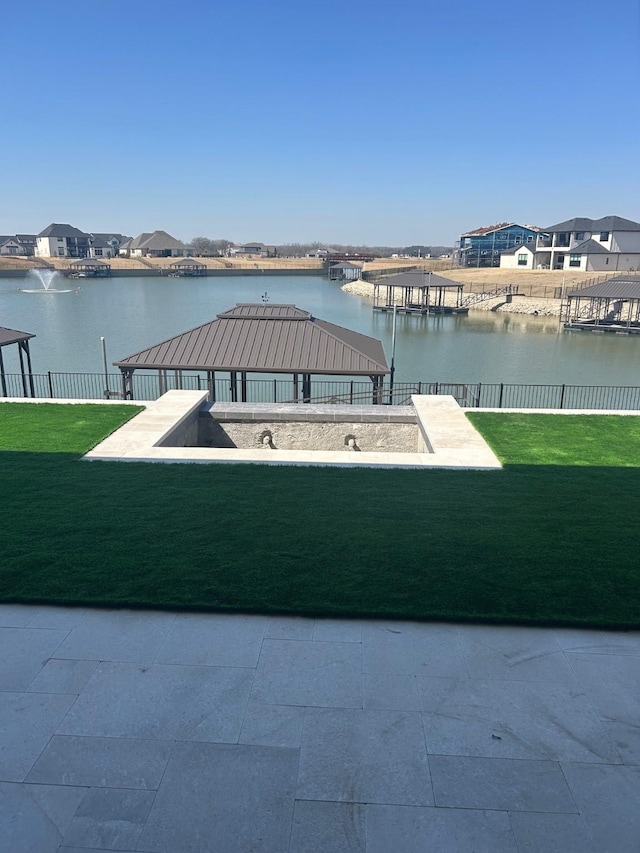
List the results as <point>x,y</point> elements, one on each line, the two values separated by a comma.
<point>502,395</point>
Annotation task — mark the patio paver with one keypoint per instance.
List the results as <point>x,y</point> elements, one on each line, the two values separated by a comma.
<point>158,732</point>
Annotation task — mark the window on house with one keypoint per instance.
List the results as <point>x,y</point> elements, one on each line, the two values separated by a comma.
<point>530,238</point>
<point>606,261</point>
<point>98,252</point>
<point>61,251</point>
<point>579,235</point>
<point>574,260</point>
<point>604,236</point>
<point>522,260</point>
<point>60,239</point>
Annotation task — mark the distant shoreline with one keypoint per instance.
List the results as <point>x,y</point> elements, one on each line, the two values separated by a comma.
<point>164,273</point>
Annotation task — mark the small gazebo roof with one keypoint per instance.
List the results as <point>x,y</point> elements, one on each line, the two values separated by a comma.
<point>265,338</point>
<point>619,287</point>
<point>12,336</point>
<point>345,265</point>
<point>187,262</point>
<point>88,262</point>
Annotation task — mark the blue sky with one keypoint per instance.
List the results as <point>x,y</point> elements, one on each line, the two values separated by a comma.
<point>360,122</point>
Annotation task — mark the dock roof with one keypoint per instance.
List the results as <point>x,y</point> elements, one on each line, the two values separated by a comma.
<point>265,338</point>
<point>618,287</point>
<point>418,278</point>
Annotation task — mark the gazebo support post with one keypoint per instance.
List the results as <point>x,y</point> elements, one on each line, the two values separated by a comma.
<point>211,384</point>
<point>233,376</point>
<point>26,349</point>
<point>306,387</point>
<point>127,384</point>
<point>243,385</point>
<point>377,390</point>
<point>295,387</point>
<point>3,378</point>
<point>24,378</point>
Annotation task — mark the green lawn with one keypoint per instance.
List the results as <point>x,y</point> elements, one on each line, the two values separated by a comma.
<point>551,539</point>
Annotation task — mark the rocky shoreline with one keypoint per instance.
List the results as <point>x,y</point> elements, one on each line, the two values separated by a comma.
<point>531,305</point>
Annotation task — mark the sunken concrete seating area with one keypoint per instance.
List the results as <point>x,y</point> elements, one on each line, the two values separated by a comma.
<point>166,431</point>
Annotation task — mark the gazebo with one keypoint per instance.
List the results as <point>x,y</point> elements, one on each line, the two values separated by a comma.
<point>263,338</point>
<point>608,306</point>
<point>8,337</point>
<point>88,267</point>
<point>187,267</point>
<point>420,293</point>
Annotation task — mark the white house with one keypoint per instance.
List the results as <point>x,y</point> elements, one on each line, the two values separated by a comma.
<point>62,241</point>
<point>608,244</point>
<point>518,257</point>
<point>157,244</point>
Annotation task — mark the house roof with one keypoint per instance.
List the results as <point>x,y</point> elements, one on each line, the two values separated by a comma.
<point>488,229</point>
<point>590,247</point>
<point>606,223</point>
<point>619,287</point>
<point>153,240</point>
<point>266,338</point>
<point>29,239</point>
<point>60,230</point>
<point>13,336</point>
<point>104,240</point>
<point>518,248</point>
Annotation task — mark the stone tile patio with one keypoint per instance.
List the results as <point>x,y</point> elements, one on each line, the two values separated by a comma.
<point>163,733</point>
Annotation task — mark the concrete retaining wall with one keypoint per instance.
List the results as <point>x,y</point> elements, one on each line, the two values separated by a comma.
<point>307,435</point>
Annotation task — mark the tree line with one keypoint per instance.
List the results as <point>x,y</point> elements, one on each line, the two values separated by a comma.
<point>206,247</point>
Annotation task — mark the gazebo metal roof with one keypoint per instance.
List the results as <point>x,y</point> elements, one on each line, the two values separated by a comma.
<point>13,336</point>
<point>264,338</point>
<point>418,278</point>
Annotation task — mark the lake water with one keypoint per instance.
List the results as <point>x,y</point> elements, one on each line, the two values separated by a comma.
<point>133,313</point>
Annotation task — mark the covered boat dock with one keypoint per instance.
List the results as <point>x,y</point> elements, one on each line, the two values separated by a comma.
<point>612,305</point>
<point>264,339</point>
<point>88,268</point>
<point>418,292</point>
<point>187,267</point>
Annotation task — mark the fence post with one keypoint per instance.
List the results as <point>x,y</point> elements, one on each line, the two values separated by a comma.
<point>351,393</point>
<point>478,397</point>
<point>50,384</point>
<point>419,387</point>
<point>437,383</point>
<point>501,392</point>
<point>275,391</point>
<point>562,395</point>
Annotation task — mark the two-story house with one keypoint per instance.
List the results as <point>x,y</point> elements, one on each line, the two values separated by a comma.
<point>482,247</point>
<point>607,244</point>
<point>62,241</point>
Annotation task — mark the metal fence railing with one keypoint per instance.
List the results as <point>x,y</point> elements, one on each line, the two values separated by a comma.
<point>150,386</point>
